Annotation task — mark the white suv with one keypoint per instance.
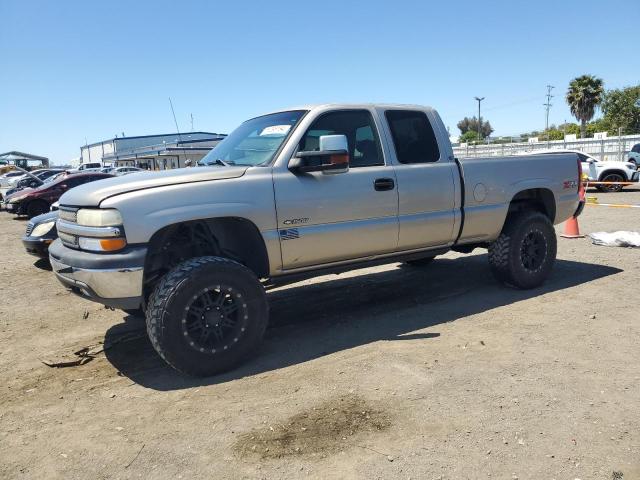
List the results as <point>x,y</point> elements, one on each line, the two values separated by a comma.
<point>603,171</point>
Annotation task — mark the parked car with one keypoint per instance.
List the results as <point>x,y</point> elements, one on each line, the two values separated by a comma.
<point>604,171</point>
<point>6,178</point>
<point>107,169</point>
<point>34,202</point>
<point>87,167</point>
<point>126,170</point>
<point>634,155</point>
<point>296,194</point>
<point>30,182</point>
<point>41,232</point>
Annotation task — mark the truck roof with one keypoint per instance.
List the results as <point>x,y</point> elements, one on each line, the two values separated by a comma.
<point>315,106</point>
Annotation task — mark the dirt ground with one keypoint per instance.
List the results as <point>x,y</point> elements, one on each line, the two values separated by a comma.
<point>388,372</point>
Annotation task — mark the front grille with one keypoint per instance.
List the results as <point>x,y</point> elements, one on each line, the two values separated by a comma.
<point>30,227</point>
<point>68,240</point>
<point>68,214</point>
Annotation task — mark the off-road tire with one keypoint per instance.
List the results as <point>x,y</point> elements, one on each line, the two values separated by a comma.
<point>37,207</point>
<point>420,262</point>
<point>168,308</point>
<point>508,255</point>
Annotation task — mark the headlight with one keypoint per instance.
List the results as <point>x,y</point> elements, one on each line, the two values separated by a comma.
<point>96,217</point>
<point>17,199</point>
<point>101,244</point>
<point>42,229</point>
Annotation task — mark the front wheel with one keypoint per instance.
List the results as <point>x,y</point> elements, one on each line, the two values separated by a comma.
<point>612,177</point>
<point>207,315</point>
<point>524,253</point>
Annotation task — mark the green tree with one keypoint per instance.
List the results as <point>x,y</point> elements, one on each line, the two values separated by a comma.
<point>621,109</point>
<point>470,136</point>
<point>584,95</point>
<point>471,125</point>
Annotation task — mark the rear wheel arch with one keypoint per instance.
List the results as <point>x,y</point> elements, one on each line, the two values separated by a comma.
<point>612,172</point>
<point>538,199</point>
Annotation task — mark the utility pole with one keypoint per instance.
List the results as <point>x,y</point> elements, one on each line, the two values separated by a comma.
<point>548,107</point>
<point>479,117</point>
<point>192,122</point>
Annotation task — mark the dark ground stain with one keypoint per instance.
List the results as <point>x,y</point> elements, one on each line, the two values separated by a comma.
<point>329,427</point>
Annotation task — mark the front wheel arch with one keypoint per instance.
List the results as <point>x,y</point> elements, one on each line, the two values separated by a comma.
<point>230,237</point>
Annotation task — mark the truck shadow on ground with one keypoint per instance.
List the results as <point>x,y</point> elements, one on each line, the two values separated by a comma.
<point>312,320</point>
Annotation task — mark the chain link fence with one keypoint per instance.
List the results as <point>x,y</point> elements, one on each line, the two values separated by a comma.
<point>610,148</point>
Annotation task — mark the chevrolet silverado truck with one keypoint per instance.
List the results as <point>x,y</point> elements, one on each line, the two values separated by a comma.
<point>295,194</point>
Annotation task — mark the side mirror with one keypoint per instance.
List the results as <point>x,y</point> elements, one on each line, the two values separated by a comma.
<point>332,157</point>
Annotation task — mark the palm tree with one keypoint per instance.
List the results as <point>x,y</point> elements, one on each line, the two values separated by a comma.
<point>584,95</point>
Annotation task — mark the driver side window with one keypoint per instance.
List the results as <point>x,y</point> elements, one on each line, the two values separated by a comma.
<point>357,126</point>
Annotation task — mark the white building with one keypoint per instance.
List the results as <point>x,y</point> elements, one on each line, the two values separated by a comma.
<point>154,152</point>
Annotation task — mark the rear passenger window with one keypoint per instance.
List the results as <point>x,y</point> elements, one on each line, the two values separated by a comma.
<point>413,136</point>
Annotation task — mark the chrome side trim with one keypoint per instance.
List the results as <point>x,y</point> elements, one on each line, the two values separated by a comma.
<point>84,231</point>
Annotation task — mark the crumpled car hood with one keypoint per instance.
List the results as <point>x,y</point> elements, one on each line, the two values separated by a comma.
<point>91,194</point>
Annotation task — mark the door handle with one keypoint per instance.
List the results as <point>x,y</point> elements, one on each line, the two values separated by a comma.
<point>382,184</point>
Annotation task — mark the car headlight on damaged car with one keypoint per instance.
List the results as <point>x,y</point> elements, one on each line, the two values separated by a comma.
<point>42,229</point>
<point>17,199</point>
<point>105,233</point>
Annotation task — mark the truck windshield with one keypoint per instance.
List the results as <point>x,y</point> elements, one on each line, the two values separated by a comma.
<point>255,142</point>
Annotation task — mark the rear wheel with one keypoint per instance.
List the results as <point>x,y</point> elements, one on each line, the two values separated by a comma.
<point>420,262</point>
<point>524,253</point>
<point>207,315</point>
<point>612,177</point>
<point>37,207</point>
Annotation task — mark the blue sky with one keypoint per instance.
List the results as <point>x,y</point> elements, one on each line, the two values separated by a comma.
<point>71,70</point>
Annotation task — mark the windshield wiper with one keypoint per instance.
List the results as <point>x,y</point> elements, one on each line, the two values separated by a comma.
<point>222,162</point>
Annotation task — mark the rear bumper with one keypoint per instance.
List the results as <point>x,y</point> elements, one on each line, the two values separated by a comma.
<point>114,280</point>
<point>635,176</point>
<point>578,211</point>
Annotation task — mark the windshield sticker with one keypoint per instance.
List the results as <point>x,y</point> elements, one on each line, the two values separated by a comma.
<point>275,130</point>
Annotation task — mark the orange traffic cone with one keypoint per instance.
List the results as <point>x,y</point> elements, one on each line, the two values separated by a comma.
<point>571,229</point>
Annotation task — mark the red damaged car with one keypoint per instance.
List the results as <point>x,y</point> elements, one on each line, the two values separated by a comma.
<point>33,202</point>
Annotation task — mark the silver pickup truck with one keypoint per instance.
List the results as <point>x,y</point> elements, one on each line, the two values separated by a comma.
<point>294,194</point>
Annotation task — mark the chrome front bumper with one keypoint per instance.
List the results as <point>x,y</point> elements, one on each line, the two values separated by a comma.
<point>115,282</point>
<point>111,283</point>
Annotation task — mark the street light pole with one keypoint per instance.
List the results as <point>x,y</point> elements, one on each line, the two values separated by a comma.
<point>479,117</point>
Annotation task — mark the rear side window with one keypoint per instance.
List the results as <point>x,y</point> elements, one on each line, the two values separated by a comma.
<point>413,136</point>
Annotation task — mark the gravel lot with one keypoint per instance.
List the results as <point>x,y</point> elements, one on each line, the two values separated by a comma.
<point>388,372</point>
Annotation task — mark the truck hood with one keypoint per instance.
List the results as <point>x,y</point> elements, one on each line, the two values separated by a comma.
<point>91,194</point>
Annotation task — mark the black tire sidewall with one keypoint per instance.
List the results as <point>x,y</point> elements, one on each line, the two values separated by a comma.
<point>175,348</point>
<point>616,188</point>
<point>519,275</point>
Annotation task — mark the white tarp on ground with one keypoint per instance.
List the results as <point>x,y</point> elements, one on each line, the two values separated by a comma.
<point>616,239</point>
